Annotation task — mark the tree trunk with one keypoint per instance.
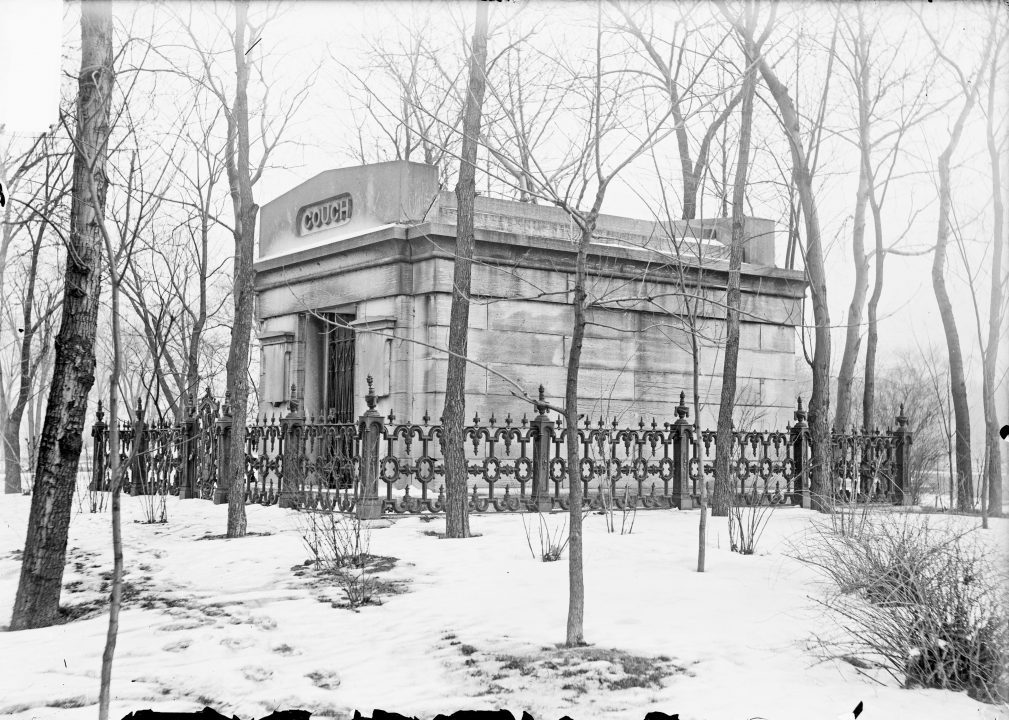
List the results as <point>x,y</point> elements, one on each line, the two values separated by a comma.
<point>12,455</point>
<point>695,356</point>
<point>38,594</point>
<point>116,600</point>
<point>852,337</point>
<point>958,383</point>
<point>820,396</point>
<point>993,441</point>
<point>453,415</point>
<point>576,577</point>
<point>723,437</point>
<point>117,473</point>
<point>872,331</point>
<point>245,211</point>
<point>196,336</point>
<point>690,180</point>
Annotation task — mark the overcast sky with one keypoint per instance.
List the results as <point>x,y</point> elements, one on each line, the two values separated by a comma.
<point>328,33</point>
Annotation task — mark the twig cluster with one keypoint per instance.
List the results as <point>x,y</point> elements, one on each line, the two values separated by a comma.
<point>924,603</point>
<point>628,510</point>
<point>335,540</point>
<point>749,514</point>
<point>552,541</point>
<point>339,545</point>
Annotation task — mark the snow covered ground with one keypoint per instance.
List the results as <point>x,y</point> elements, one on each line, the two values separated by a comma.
<point>467,624</point>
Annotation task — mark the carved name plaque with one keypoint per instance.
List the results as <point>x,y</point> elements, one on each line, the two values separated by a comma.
<point>331,213</point>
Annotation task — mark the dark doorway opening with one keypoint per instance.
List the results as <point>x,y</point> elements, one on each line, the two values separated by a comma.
<point>340,370</point>
<point>339,450</point>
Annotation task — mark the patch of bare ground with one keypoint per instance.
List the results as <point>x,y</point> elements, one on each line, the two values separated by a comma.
<point>571,670</point>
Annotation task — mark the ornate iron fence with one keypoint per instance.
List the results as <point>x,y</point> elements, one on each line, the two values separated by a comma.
<point>380,465</point>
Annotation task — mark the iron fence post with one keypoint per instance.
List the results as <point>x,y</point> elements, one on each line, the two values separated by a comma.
<point>100,437</point>
<point>682,433</point>
<point>799,436</point>
<point>223,451</point>
<point>290,429</point>
<point>902,476</point>
<point>140,482</point>
<point>369,505</point>
<point>189,440</point>
<point>542,429</point>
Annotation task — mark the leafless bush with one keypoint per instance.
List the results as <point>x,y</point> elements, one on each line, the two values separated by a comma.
<point>90,488</point>
<point>749,514</point>
<point>359,586</point>
<point>336,540</point>
<point>153,500</point>
<point>925,603</point>
<point>849,515</point>
<point>552,541</point>
<point>628,511</point>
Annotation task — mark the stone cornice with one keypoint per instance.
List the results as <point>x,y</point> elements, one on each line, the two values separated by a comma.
<point>396,244</point>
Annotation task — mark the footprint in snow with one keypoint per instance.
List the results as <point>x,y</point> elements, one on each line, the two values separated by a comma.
<point>325,679</point>
<point>237,643</point>
<point>176,626</point>
<point>256,673</point>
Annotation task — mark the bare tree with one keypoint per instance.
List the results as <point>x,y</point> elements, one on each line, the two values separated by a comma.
<point>38,215</point>
<point>802,174</point>
<point>117,258</point>
<point>242,174</point>
<point>672,72</point>
<point>590,169</point>
<point>688,268</point>
<point>245,211</point>
<point>958,385</point>
<point>881,125</point>
<point>424,69</point>
<point>37,600</point>
<point>453,416</point>
<point>180,263</point>
<point>724,438</point>
<point>999,280</point>
<point>860,71</point>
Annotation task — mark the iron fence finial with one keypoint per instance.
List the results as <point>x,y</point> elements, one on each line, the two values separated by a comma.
<point>682,411</point>
<point>799,414</point>
<point>370,398</point>
<point>541,404</point>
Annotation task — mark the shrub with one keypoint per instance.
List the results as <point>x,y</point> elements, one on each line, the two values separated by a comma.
<point>749,514</point>
<point>849,514</point>
<point>628,511</point>
<point>925,602</point>
<point>335,540</point>
<point>552,542</point>
<point>358,585</point>
<point>153,498</point>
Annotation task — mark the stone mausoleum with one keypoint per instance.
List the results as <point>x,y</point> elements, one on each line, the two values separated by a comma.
<point>354,278</point>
